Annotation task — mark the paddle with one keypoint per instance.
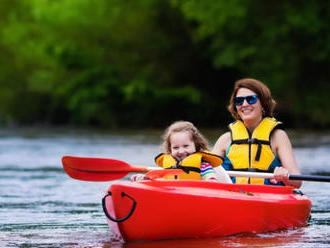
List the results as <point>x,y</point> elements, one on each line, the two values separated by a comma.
<point>271,176</point>
<point>105,169</point>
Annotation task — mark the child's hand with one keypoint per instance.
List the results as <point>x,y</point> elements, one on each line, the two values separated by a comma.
<point>139,177</point>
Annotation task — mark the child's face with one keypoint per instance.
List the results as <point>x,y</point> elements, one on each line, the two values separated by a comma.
<point>182,145</point>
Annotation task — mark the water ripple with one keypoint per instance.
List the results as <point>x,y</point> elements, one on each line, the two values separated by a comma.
<point>41,206</point>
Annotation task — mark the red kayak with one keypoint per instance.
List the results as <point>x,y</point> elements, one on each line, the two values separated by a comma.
<point>170,209</point>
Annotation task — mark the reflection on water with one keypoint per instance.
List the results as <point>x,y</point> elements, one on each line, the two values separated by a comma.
<point>40,206</point>
<point>274,239</point>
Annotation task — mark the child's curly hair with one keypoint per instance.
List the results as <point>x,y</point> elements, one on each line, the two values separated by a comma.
<point>200,141</point>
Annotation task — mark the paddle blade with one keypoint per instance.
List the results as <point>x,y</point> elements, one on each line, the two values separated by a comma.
<point>93,176</point>
<point>94,164</point>
<point>97,169</point>
<point>154,174</point>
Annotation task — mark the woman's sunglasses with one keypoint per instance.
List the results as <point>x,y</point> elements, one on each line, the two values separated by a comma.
<point>239,100</point>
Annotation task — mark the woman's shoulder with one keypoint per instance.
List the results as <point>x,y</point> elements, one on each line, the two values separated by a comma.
<point>222,143</point>
<point>280,138</point>
<point>279,134</point>
<point>225,137</point>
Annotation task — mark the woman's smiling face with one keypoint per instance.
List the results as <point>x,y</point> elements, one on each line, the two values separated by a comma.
<point>249,112</point>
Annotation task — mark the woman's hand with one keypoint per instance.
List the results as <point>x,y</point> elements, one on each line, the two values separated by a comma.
<point>280,175</point>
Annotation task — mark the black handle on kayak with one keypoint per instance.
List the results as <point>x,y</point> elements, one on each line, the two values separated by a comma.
<point>120,219</point>
<point>310,178</point>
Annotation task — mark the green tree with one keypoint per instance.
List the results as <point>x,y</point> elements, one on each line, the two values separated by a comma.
<point>149,62</point>
<point>285,44</point>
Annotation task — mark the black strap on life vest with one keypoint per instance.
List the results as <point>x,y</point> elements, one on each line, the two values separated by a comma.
<point>253,141</point>
<point>186,169</point>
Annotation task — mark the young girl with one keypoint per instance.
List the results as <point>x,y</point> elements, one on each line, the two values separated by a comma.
<point>184,147</point>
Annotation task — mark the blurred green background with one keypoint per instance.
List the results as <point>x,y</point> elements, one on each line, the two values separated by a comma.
<point>146,63</point>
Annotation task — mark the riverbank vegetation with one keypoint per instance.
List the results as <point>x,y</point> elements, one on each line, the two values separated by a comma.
<point>115,63</point>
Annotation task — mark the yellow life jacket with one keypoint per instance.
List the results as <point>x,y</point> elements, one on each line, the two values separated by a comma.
<point>191,165</point>
<point>251,151</point>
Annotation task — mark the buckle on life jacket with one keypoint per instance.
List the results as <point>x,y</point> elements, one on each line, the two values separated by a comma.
<point>253,141</point>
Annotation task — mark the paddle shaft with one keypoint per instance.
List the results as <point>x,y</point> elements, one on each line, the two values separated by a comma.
<point>313,178</point>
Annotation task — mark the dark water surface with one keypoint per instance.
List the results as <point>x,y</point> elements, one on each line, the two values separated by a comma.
<point>40,206</point>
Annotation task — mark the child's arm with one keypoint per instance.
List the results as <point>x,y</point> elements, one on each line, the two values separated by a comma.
<point>222,175</point>
<point>207,172</point>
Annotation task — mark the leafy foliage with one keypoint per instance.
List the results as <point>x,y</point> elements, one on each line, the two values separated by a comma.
<point>149,62</point>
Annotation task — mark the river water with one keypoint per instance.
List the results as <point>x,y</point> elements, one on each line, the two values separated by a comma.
<point>40,206</point>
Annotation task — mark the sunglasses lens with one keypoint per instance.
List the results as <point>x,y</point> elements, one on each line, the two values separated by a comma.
<point>251,99</point>
<point>238,101</point>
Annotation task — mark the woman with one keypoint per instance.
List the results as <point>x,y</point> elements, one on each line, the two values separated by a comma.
<point>255,141</point>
